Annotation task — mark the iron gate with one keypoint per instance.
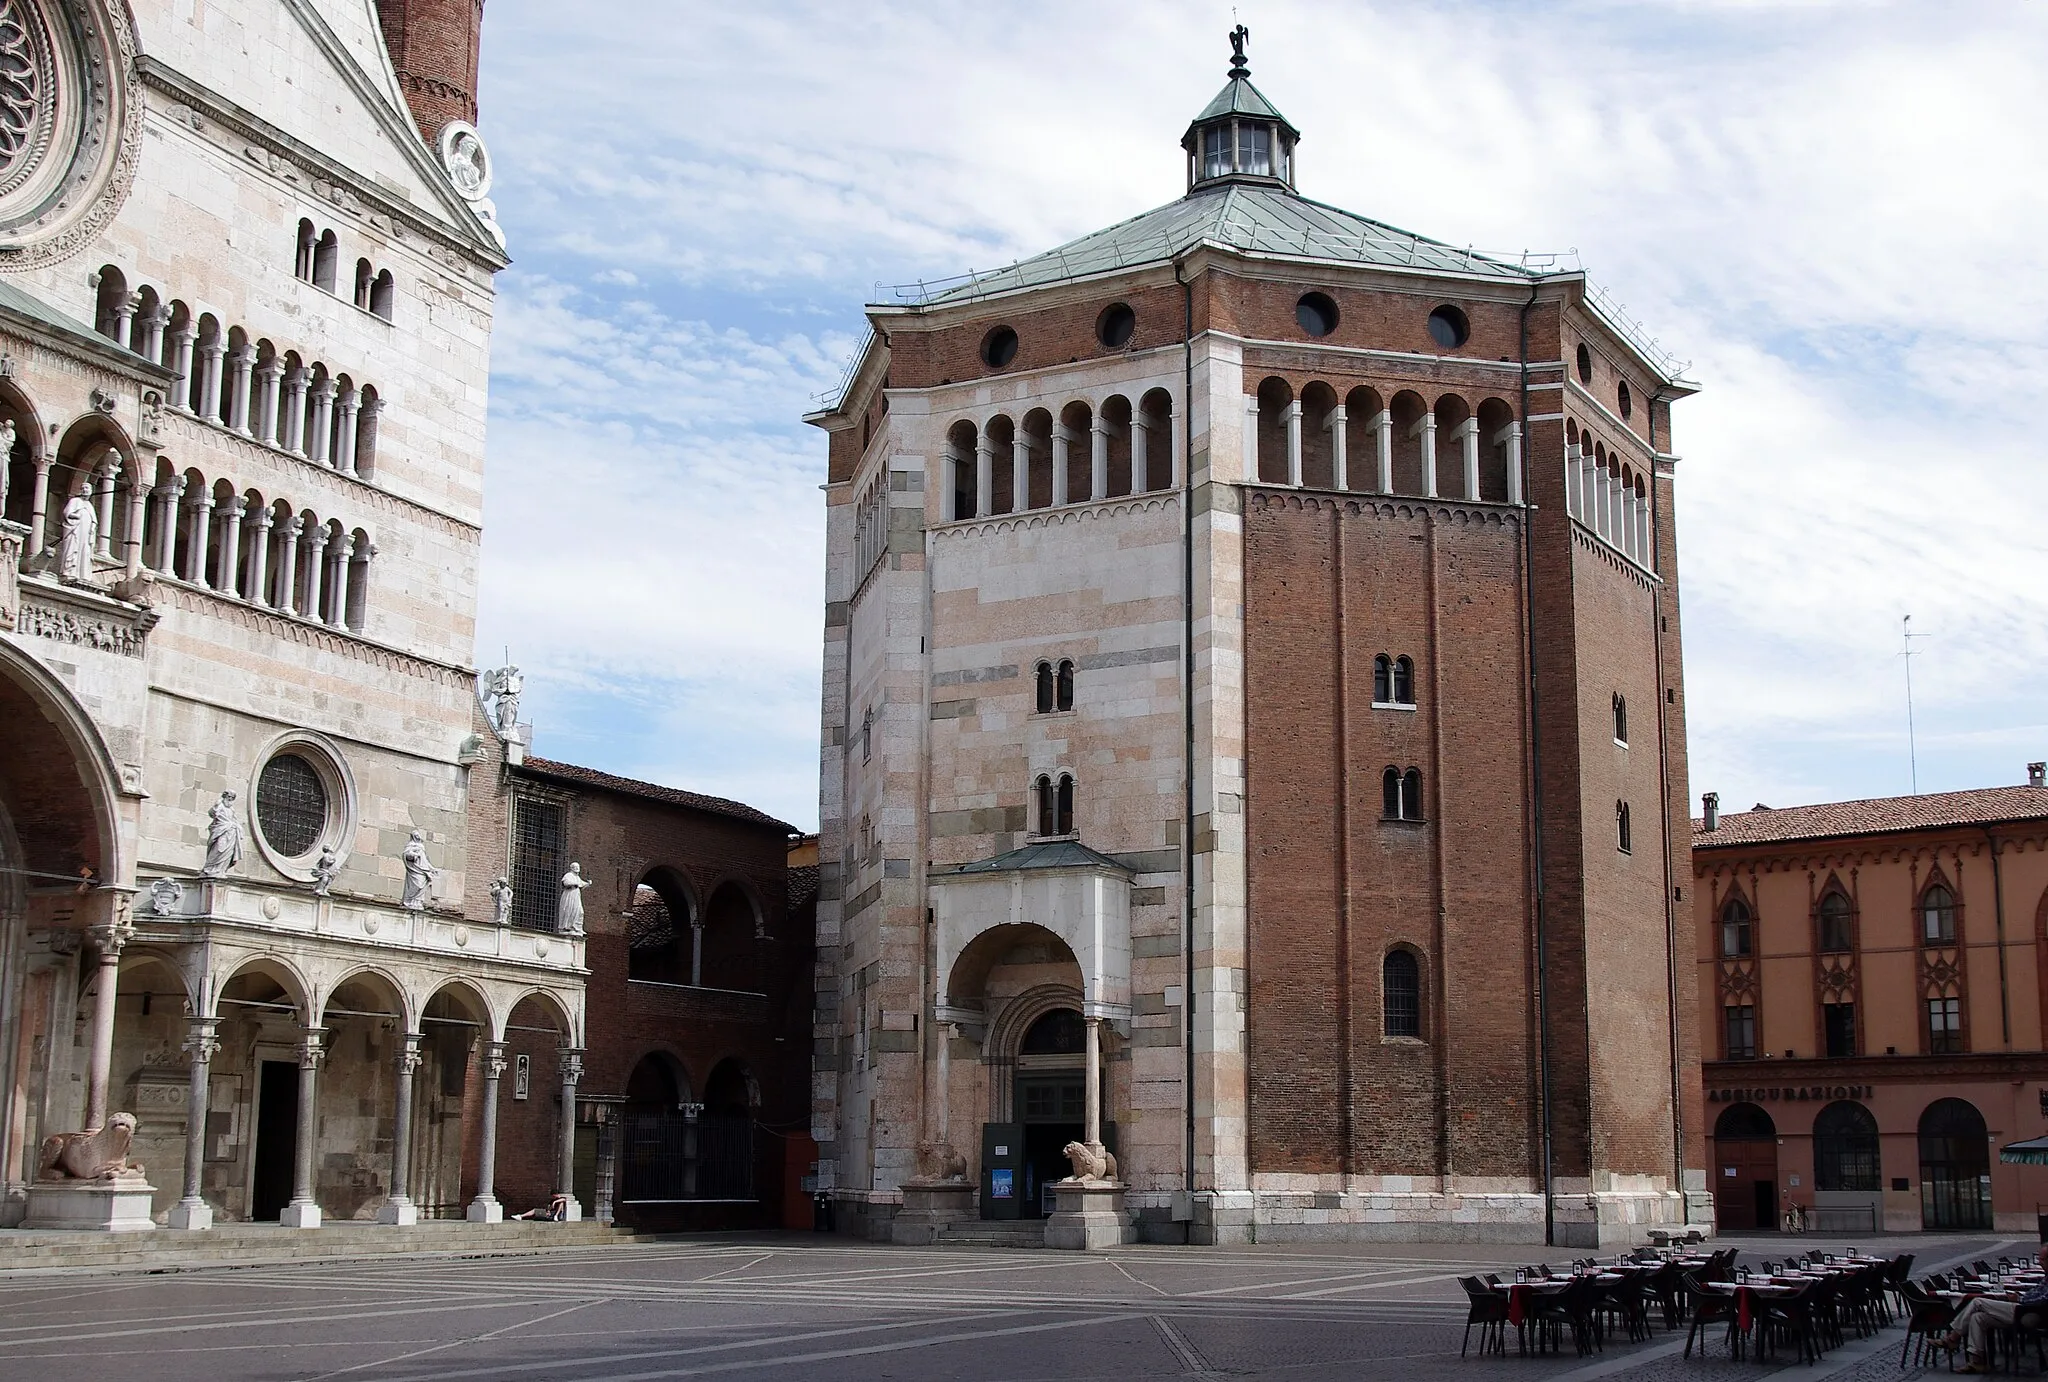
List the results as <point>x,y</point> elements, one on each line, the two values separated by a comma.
<point>676,1156</point>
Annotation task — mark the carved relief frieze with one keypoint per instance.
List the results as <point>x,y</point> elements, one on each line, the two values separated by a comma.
<point>66,615</point>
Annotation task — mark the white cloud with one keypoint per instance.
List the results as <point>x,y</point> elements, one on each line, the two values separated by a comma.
<point>1828,208</point>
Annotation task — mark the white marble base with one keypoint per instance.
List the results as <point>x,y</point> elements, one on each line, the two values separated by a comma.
<point>483,1211</point>
<point>929,1209</point>
<point>400,1212</point>
<point>106,1206</point>
<point>572,1212</point>
<point>300,1214</point>
<point>1087,1217</point>
<point>193,1215</point>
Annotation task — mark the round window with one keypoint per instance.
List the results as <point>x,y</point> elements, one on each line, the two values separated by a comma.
<point>291,805</point>
<point>1316,313</point>
<point>1116,325</point>
<point>1585,364</point>
<point>1448,327</point>
<point>1621,396</point>
<point>999,347</point>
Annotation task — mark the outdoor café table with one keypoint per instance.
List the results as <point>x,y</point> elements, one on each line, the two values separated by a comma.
<point>1522,1298</point>
<point>1746,1293</point>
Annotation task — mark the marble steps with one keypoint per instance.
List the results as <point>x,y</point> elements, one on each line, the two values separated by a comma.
<point>994,1233</point>
<point>245,1245</point>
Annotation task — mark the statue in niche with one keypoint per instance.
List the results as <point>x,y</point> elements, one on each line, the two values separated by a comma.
<point>419,875</point>
<point>223,838</point>
<point>324,869</point>
<point>6,456</point>
<point>569,911</point>
<point>501,901</point>
<point>81,530</point>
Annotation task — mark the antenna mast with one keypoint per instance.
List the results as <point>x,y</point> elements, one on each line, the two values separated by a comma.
<point>1912,749</point>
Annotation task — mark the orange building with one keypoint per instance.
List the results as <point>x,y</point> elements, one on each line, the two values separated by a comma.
<point>1874,1008</point>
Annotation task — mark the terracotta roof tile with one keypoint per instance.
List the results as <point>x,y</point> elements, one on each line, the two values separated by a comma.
<point>1874,816</point>
<point>674,796</point>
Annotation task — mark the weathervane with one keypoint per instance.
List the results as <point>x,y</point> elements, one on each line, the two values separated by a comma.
<point>1238,69</point>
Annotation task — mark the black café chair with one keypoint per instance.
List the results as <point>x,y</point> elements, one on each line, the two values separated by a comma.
<point>1488,1309</point>
<point>1789,1319</point>
<point>1706,1308</point>
<point>1928,1321</point>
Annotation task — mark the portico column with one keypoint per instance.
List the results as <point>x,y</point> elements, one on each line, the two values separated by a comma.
<point>1293,416</point>
<point>39,505</point>
<point>1383,446</point>
<point>337,582</point>
<point>1427,427</point>
<point>124,318</point>
<point>485,1209</point>
<point>293,438</point>
<point>1514,430</point>
<point>169,495</point>
<point>316,567</point>
<point>202,522</point>
<point>1141,479</point>
<point>1590,497</point>
<point>181,365</point>
<point>244,361</point>
<point>1098,458</point>
<point>259,559</point>
<point>398,1207</point>
<point>1468,442</point>
<point>1251,436</point>
<point>1092,1104</point>
<point>304,1210</point>
<point>1020,472</point>
<point>153,324</point>
<point>107,940</point>
<point>266,401</point>
<point>109,473</point>
<point>1339,460</point>
<point>565,1178</point>
<point>984,478</point>
<point>210,379</point>
<point>230,543</point>
<point>192,1211</point>
<point>318,422</point>
<point>138,512</point>
<point>1062,441</point>
<point>345,434</point>
<point>697,950</point>
<point>1574,500</point>
<point>288,568</point>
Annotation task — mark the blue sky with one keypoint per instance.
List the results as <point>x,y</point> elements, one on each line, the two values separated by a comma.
<point>1832,210</point>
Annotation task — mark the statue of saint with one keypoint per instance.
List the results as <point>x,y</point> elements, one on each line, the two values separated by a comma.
<point>81,529</point>
<point>509,684</point>
<point>569,911</point>
<point>419,875</point>
<point>223,838</point>
<point>6,456</point>
<point>501,901</point>
<point>324,869</point>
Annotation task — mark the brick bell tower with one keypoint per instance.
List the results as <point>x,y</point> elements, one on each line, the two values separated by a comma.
<point>434,44</point>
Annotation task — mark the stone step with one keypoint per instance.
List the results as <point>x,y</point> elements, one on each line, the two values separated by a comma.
<point>995,1233</point>
<point>166,1249</point>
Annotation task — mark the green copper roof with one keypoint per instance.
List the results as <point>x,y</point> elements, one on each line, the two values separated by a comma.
<point>1240,97</point>
<point>1048,854</point>
<point>19,302</point>
<point>1250,218</point>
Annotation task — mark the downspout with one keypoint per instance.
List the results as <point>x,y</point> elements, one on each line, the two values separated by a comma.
<point>1998,914</point>
<point>1536,791</point>
<point>1187,703</point>
<point>1670,877</point>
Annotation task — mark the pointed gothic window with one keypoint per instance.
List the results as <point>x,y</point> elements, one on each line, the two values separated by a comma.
<point>1833,915</point>
<point>1736,938</point>
<point>1938,916</point>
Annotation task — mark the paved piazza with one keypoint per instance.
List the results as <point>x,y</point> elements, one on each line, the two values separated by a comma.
<point>791,1306</point>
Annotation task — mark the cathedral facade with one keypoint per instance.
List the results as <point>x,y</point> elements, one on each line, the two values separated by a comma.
<point>1254,738</point>
<point>246,283</point>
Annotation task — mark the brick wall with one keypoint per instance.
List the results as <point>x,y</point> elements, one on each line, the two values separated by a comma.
<point>435,45</point>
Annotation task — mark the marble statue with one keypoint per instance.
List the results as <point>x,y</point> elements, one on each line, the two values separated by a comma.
<point>98,1155</point>
<point>324,869</point>
<point>938,1161</point>
<point>1093,1165</point>
<point>223,838</point>
<point>504,687</point>
<point>6,456</point>
<point>81,530</point>
<point>569,911</point>
<point>419,875</point>
<point>501,901</point>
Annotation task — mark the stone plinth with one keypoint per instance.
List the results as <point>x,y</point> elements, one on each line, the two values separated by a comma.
<point>483,1211</point>
<point>120,1205</point>
<point>929,1209</point>
<point>1090,1215</point>
<point>300,1214</point>
<point>196,1215</point>
<point>400,1212</point>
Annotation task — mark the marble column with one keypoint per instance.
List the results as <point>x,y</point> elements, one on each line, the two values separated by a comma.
<point>266,401</point>
<point>170,497</point>
<point>398,1207</point>
<point>485,1209</point>
<point>345,433</point>
<point>1340,456</point>
<point>697,951</point>
<point>1383,450</point>
<point>1020,471</point>
<point>1251,436</point>
<point>304,1210</point>
<point>107,940</point>
<point>192,1211</point>
<point>231,509</point>
<point>1062,445</point>
<point>210,379</point>
<point>1574,503</point>
<point>259,558</point>
<point>244,360</point>
<point>138,514</point>
<point>565,1177</point>
<point>108,476</point>
<point>1098,458</point>
<point>1467,435</point>
<point>181,365</point>
<point>1293,417</point>
<point>1427,429</point>
<point>364,456</point>
<point>1092,1085</point>
<point>319,423</point>
<point>152,347</point>
<point>293,438</point>
<point>39,506</point>
<point>365,558</point>
<point>984,478</point>
<point>316,569</point>
<point>337,581</point>
<point>124,319</point>
<point>1141,478</point>
<point>288,566</point>
<point>202,520</point>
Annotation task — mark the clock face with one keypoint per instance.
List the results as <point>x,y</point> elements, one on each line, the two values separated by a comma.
<point>467,161</point>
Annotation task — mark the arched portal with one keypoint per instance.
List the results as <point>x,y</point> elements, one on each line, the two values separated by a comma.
<point>1745,1168</point>
<point>1955,1167</point>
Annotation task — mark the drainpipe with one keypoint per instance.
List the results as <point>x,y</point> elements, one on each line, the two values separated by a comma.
<point>1187,702</point>
<point>1536,793</point>
<point>1670,877</point>
<point>1998,913</point>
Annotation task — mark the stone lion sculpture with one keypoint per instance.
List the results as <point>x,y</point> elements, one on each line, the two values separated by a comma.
<point>101,1155</point>
<point>937,1161</point>
<point>1095,1163</point>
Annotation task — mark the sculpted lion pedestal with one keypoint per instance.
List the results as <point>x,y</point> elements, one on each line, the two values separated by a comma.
<point>1088,1208</point>
<point>85,1181</point>
<point>939,1196</point>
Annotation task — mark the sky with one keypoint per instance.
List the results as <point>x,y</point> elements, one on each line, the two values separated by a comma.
<point>1833,211</point>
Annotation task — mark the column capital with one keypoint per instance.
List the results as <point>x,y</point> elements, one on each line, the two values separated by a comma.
<point>293,527</point>
<point>572,1064</point>
<point>159,315</point>
<point>273,368</point>
<point>348,402</point>
<point>318,537</point>
<point>214,348</point>
<point>324,390</point>
<point>263,518</point>
<point>109,937</point>
<point>231,505</point>
<point>491,1061</point>
<point>298,376</point>
<point>185,334</point>
<point>202,1038</point>
<point>408,1059</point>
<point>312,1047</point>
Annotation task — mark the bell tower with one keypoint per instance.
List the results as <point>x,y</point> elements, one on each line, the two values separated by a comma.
<point>434,44</point>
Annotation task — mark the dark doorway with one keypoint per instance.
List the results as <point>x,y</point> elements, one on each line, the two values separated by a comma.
<point>1052,1108</point>
<point>277,1138</point>
<point>1955,1167</point>
<point>1745,1169</point>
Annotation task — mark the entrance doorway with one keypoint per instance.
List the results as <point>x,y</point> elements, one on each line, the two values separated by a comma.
<point>1745,1169</point>
<point>1955,1167</point>
<point>1052,1108</point>
<point>277,1138</point>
